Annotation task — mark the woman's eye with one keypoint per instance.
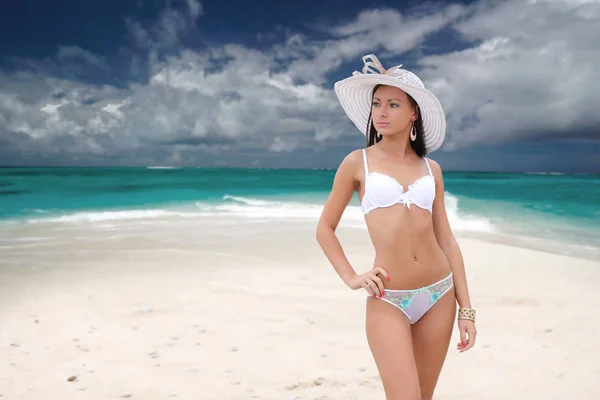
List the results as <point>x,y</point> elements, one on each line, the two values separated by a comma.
<point>375,104</point>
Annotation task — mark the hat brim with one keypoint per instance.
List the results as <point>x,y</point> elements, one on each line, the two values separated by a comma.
<point>354,94</point>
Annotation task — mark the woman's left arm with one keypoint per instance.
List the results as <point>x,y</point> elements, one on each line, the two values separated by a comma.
<point>449,246</point>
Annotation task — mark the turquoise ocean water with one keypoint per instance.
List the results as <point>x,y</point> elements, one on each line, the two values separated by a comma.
<point>562,208</point>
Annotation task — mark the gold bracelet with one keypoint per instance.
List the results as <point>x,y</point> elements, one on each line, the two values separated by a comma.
<point>466,313</point>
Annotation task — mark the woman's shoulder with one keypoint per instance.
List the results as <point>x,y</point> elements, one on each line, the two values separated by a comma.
<point>436,169</point>
<point>354,157</point>
<point>352,163</point>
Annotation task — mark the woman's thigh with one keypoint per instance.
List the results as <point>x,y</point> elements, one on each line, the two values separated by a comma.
<point>389,338</point>
<point>431,339</point>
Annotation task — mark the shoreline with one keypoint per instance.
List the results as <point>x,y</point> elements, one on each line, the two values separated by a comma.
<point>544,245</point>
<point>577,250</point>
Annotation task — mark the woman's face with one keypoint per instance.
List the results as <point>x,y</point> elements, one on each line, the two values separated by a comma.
<point>392,111</point>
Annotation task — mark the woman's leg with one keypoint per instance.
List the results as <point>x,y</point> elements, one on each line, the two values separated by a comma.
<point>389,337</point>
<point>431,339</point>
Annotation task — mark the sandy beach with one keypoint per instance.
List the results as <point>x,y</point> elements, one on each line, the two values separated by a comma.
<point>228,309</point>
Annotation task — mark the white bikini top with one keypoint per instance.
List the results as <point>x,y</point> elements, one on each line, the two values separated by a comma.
<point>382,190</point>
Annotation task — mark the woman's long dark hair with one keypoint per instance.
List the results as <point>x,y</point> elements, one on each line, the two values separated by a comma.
<point>418,145</point>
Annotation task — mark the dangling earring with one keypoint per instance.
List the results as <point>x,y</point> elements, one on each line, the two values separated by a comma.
<point>413,133</point>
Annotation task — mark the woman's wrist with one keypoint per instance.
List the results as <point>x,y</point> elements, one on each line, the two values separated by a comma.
<point>466,313</point>
<point>347,277</point>
<point>463,303</point>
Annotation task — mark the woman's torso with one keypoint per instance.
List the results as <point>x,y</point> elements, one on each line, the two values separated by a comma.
<point>402,233</point>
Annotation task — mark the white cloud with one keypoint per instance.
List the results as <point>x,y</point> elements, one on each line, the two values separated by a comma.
<point>74,53</point>
<point>283,145</point>
<point>531,71</point>
<point>532,75</point>
<point>386,29</point>
<point>190,101</point>
<point>165,34</point>
<point>115,109</point>
<point>52,109</point>
<point>195,8</point>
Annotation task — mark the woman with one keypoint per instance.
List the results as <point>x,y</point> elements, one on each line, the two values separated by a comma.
<point>418,273</point>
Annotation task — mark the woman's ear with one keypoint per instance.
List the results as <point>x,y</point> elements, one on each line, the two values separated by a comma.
<point>416,113</point>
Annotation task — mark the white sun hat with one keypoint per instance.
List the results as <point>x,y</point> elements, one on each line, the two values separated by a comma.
<point>355,95</point>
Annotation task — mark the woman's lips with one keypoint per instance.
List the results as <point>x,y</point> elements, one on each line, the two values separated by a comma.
<point>382,123</point>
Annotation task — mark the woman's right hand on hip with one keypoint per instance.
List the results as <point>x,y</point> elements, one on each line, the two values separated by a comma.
<point>371,281</point>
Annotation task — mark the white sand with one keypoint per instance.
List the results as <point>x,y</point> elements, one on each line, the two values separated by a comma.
<point>204,311</point>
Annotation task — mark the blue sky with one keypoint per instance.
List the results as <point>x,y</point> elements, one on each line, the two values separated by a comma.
<point>250,83</point>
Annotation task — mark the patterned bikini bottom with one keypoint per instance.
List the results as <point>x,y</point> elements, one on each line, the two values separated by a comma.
<point>416,302</point>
